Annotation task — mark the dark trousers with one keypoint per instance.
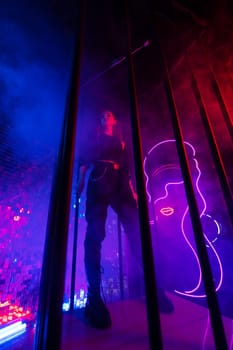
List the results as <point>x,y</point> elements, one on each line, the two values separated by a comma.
<point>108,187</point>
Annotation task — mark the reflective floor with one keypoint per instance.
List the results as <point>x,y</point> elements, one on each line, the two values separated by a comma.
<point>188,328</point>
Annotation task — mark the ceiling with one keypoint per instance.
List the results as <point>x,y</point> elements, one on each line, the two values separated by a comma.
<point>167,19</point>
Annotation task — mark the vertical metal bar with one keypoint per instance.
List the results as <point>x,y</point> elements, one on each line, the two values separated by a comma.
<point>74,255</point>
<point>222,103</point>
<point>120,257</point>
<point>216,320</point>
<point>155,335</point>
<point>225,186</point>
<point>49,316</point>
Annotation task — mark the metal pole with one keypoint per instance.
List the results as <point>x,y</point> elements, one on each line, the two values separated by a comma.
<point>222,103</point>
<point>74,255</point>
<point>216,320</point>
<point>120,257</point>
<point>154,325</point>
<point>49,316</point>
<point>225,186</point>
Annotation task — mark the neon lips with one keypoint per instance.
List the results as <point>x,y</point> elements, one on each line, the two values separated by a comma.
<point>167,211</point>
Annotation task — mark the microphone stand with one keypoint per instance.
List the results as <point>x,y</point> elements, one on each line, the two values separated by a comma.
<point>115,63</point>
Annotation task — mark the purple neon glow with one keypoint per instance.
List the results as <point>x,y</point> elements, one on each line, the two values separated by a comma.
<point>218,228</point>
<point>189,292</point>
<point>166,190</point>
<point>209,244</point>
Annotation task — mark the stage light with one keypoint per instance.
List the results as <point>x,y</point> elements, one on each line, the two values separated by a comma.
<point>79,302</point>
<point>10,332</point>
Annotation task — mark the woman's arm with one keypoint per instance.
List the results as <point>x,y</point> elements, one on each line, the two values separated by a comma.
<point>134,193</point>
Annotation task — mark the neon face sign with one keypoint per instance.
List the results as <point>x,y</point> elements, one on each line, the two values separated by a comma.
<point>169,203</point>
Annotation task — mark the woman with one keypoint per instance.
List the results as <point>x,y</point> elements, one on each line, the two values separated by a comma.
<point>110,184</point>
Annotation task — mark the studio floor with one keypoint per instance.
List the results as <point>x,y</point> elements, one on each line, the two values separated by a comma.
<point>188,328</point>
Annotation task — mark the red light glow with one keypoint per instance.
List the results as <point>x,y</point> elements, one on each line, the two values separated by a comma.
<point>10,313</point>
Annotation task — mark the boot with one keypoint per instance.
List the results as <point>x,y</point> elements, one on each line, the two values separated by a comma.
<point>96,312</point>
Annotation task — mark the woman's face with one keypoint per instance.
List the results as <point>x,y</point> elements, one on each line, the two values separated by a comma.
<point>108,119</point>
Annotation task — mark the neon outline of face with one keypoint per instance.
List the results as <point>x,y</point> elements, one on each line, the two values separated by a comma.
<point>209,244</point>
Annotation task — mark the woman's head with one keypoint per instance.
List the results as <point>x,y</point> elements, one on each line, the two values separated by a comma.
<point>107,119</point>
<point>108,124</point>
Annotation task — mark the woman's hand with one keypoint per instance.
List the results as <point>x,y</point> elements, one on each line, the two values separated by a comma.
<point>134,193</point>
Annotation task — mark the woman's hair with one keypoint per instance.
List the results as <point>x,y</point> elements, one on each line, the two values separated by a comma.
<point>108,112</point>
